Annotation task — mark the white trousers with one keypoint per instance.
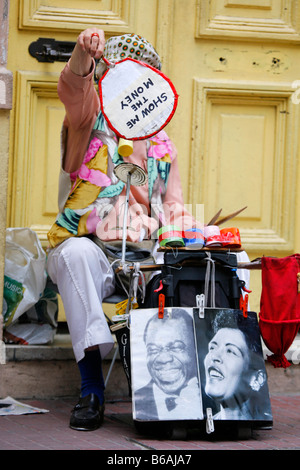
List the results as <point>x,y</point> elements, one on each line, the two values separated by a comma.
<point>84,278</point>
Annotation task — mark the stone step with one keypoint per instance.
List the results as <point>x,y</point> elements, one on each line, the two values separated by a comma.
<point>50,371</point>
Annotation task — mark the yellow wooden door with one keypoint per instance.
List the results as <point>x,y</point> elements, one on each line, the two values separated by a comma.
<point>236,67</point>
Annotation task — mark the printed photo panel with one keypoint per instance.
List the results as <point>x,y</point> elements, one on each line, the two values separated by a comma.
<point>231,365</point>
<point>183,364</point>
<point>164,371</point>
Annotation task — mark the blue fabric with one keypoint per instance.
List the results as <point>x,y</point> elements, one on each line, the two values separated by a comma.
<point>90,368</point>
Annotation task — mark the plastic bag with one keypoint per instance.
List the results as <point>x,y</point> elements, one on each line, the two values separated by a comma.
<point>24,273</point>
<point>37,325</point>
<point>29,333</point>
<point>44,311</point>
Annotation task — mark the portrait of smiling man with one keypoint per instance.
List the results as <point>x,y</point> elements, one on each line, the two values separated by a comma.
<point>172,391</point>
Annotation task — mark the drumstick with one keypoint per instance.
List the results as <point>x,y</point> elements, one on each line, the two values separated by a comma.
<point>215,217</point>
<point>230,216</point>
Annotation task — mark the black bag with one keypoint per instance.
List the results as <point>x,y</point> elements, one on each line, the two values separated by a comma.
<point>185,275</point>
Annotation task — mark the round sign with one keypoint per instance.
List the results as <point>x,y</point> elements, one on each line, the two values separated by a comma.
<point>137,100</point>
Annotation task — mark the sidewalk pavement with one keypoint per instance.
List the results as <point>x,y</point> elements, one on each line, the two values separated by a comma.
<point>50,431</point>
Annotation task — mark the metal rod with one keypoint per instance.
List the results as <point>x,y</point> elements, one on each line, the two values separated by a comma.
<point>125,218</point>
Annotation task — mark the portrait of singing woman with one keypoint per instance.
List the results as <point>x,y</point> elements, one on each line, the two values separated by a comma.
<point>234,376</point>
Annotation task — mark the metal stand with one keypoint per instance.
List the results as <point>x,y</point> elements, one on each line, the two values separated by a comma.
<point>130,174</point>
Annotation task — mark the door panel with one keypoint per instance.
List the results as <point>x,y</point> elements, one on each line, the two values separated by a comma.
<point>117,16</point>
<point>36,153</point>
<point>248,136</point>
<point>254,20</point>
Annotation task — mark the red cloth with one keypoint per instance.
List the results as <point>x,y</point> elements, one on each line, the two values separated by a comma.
<point>279,317</point>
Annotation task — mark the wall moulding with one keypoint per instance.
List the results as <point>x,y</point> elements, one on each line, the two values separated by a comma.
<point>114,16</point>
<point>253,126</point>
<point>275,20</point>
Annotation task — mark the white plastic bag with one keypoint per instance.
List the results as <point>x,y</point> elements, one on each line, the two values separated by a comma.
<point>24,273</point>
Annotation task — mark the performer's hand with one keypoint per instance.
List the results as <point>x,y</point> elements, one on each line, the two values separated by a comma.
<point>90,44</point>
<point>92,41</point>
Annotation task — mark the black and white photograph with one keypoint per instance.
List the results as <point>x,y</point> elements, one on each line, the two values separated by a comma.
<point>231,365</point>
<point>164,368</point>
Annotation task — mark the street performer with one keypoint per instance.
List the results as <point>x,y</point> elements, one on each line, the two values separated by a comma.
<point>91,198</point>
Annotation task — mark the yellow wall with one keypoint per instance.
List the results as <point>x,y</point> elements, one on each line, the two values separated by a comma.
<point>234,65</point>
<point>5,107</point>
